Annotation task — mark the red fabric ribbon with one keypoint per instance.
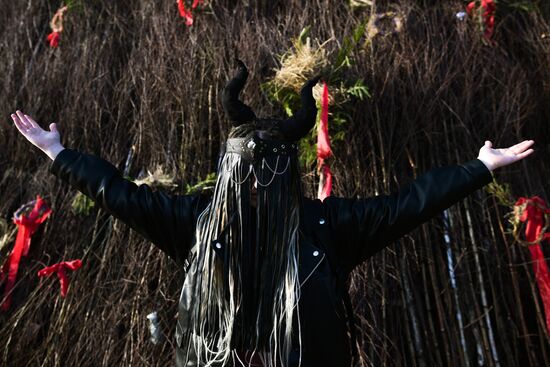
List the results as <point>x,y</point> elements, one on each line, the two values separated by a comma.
<point>325,183</point>
<point>53,38</point>
<point>27,225</point>
<point>323,139</point>
<point>61,270</point>
<point>489,8</point>
<point>534,215</point>
<point>323,148</point>
<point>56,24</point>
<point>187,14</point>
<point>184,13</point>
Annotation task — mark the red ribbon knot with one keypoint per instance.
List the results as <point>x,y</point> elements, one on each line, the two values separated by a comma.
<point>534,211</point>
<point>61,270</point>
<point>27,218</point>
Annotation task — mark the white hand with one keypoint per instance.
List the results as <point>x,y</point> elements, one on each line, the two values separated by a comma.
<point>494,158</point>
<point>47,141</point>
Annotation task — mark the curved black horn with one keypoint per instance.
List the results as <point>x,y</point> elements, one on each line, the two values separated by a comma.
<point>297,126</point>
<point>235,110</point>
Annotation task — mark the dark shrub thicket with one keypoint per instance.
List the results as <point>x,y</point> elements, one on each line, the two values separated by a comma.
<point>129,76</point>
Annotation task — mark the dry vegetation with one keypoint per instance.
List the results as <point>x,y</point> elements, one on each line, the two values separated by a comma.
<point>130,77</point>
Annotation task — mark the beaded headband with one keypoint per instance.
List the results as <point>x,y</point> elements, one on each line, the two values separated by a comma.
<point>255,148</point>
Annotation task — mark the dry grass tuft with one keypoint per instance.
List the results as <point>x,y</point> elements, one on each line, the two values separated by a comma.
<point>300,64</point>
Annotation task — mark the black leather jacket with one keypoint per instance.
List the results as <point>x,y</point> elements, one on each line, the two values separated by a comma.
<point>336,235</point>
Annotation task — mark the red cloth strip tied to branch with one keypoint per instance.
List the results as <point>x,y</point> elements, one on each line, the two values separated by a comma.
<point>536,213</point>
<point>61,270</point>
<point>486,12</point>
<point>323,149</point>
<point>27,218</point>
<point>53,39</point>
<point>185,13</point>
<point>56,24</point>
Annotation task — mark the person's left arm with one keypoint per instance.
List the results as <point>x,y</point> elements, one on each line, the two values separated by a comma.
<point>365,226</point>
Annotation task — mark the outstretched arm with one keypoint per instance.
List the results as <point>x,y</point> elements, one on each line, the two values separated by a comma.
<point>167,221</point>
<point>365,226</point>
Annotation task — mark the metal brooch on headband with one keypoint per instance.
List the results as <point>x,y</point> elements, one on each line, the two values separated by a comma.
<point>293,128</point>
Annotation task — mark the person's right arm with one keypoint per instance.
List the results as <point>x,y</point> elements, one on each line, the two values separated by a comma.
<point>167,221</point>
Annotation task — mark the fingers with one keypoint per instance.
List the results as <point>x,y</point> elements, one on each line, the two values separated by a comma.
<point>520,147</point>
<point>27,120</point>
<point>527,144</point>
<point>19,125</point>
<point>23,120</point>
<point>524,154</point>
<point>31,121</point>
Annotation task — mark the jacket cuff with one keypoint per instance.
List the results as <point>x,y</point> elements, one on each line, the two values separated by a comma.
<point>63,158</point>
<point>479,170</point>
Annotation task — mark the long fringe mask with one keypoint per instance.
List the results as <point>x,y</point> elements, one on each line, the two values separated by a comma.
<point>245,285</point>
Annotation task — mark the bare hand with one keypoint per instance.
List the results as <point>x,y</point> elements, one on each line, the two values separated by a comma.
<point>494,158</point>
<point>47,141</point>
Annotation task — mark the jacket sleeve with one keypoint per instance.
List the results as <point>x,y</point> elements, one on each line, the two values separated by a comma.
<point>365,226</point>
<point>167,221</point>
